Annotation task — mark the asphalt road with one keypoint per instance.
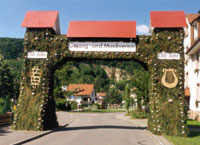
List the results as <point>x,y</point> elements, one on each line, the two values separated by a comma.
<point>96,129</point>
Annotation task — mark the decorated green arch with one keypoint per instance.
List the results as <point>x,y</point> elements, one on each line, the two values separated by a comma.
<point>45,49</point>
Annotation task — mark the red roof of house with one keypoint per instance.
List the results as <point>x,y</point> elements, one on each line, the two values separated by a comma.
<point>168,19</point>
<point>106,29</point>
<point>40,19</point>
<point>192,17</point>
<point>101,94</point>
<point>81,89</point>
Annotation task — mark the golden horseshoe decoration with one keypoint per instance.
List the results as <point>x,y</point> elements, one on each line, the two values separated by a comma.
<point>174,83</point>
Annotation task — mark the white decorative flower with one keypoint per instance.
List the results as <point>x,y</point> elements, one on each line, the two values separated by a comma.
<point>170,100</point>
<point>169,38</point>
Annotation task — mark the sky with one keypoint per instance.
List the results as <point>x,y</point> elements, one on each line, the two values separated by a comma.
<point>12,12</point>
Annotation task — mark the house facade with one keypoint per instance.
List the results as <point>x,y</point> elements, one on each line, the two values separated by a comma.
<point>81,93</point>
<point>192,65</point>
<point>100,98</point>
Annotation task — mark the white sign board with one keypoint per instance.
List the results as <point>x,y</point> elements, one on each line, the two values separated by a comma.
<point>37,54</point>
<point>165,55</point>
<point>103,46</point>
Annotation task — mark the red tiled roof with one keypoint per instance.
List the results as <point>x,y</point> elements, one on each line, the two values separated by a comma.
<point>187,92</point>
<point>101,94</point>
<point>192,17</point>
<point>82,89</point>
<point>106,29</point>
<point>40,19</point>
<point>167,19</point>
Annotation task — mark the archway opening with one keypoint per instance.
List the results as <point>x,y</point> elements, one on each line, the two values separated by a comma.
<point>110,77</point>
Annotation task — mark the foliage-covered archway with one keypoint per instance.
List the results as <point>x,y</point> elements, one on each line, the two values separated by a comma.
<point>162,52</point>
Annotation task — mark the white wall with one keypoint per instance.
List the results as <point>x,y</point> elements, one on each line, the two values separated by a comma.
<point>193,78</point>
<point>187,41</point>
<point>78,99</point>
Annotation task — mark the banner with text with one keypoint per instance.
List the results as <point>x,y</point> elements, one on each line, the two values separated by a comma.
<point>37,54</point>
<point>103,46</point>
<point>165,55</point>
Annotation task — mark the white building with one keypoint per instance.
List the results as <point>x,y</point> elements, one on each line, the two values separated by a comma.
<point>192,65</point>
<point>81,93</point>
<point>100,97</point>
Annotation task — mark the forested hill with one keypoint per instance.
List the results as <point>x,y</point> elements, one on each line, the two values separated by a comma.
<point>11,48</point>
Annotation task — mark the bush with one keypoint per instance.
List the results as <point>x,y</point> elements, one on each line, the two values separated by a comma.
<point>138,114</point>
<point>61,104</point>
<point>73,105</point>
<point>1,104</point>
<point>6,105</point>
<point>102,106</point>
<point>83,106</point>
<point>128,113</point>
<point>95,106</point>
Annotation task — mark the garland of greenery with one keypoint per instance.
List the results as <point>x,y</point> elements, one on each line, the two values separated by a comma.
<point>36,107</point>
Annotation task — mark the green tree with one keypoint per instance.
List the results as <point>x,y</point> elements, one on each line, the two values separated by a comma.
<point>6,105</point>
<point>121,85</point>
<point>127,98</point>
<point>7,85</point>
<point>58,93</point>
<point>16,66</point>
<point>11,48</point>
<point>6,80</point>
<point>140,81</point>
<point>113,96</point>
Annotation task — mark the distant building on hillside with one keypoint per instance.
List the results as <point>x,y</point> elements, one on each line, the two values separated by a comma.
<point>192,65</point>
<point>81,93</point>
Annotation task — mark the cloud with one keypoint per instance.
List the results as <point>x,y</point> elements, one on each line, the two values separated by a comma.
<point>142,29</point>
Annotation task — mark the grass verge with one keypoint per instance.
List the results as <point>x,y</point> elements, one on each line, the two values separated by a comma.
<point>101,111</point>
<point>192,139</point>
<point>137,114</point>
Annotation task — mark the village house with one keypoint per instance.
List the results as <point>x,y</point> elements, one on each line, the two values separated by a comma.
<point>192,65</point>
<point>100,97</point>
<point>81,93</point>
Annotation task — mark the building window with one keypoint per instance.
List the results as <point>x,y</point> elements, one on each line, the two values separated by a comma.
<point>186,80</point>
<point>196,70</point>
<point>186,31</point>
<point>197,60</point>
<point>198,92</point>
<point>195,31</point>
